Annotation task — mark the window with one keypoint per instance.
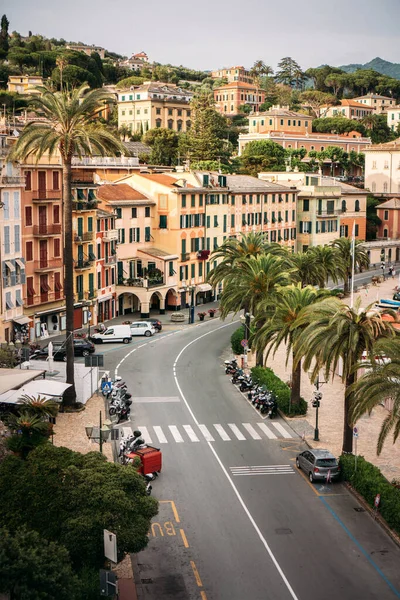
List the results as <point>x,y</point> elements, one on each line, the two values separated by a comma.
<point>215,221</point>
<point>373,186</point>
<point>224,225</point>
<point>386,215</point>
<point>158,111</point>
<point>163,222</point>
<point>133,213</point>
<point>121,236</point>
<point>9,302</point>
<point>385,187</point>
<point>29,251</point>
<point>147,211</point>
<point>306,205</point>
<point>56,180</point>
<point>193,200</point>
<point>147,234</point>
<point>56,214</point>
<point>201,200</point>
<point>170,124</point>
<point>28,216</point>
<point>215,243</point>
<point>6,205</point>
<point>57,247</point>
<point>374,164</point>
<point>183,201</point>
<point>16,205</point>
<point>158,123</point>
<point>90,223</point>
<point>243,199</point>
<point>282,122</point>
<point>357,206</point>
<point>28,180</point>
<point>6,240</point>
<point>170,111</point>
<point>344,207</point>
<point>356,230</point>
<point>232,220</point>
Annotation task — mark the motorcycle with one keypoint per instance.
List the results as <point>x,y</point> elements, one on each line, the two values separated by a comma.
<point>130,443</point>
<point>123,414</point>
<point>231,366</point>
<point>246,384</point>
<point>236,375</point>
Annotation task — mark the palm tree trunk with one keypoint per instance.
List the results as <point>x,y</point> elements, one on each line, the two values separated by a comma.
<point>347,429</point>
<point>296,381</point>
<point>70,394</point>
<point>260,358</point>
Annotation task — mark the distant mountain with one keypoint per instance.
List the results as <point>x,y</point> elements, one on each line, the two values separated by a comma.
<point>377,64</point>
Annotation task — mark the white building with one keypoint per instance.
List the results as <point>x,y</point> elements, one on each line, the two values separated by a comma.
<point>382,168</point>
<point>393,117</point>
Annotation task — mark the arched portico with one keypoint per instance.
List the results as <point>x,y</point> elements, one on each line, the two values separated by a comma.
<point>128,303</point>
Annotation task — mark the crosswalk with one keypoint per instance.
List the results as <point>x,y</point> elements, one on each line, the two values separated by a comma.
<point>262,470</point>
<point>156,434</point>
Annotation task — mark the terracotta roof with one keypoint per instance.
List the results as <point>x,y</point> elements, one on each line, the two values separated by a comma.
<point>346,102</point>
<point>239,84</point>
<point>172,182</point>
<point>394,145</point>
<point>373,96</point>
<point>119,191</point>
<point>392,203</point>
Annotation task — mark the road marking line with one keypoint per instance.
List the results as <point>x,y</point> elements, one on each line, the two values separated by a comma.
<point>203,596</point>
<point>236,431</point>
<point>192,436</point>
<point>225,472</point>
<point>127,431</point>
<point>222,432</point>
<point>175,433</point>
<point>145,434</point>
<point>207,435</point>
<point>266,473</point>
<point>184,539</point>
<point>252,431</point>
<point>160,434</point>
<point>267,432</point>
<point>174,510</point>
<point>196,574</point>
<point>281,429</point>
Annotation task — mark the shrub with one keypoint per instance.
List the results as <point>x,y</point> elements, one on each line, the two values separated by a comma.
<point>236,337</point>
<point>266,377</point>
<point>369,481</point>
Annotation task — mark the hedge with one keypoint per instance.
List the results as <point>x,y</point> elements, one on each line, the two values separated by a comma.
<point>368,481</point>
<point>265,376</point>
<point>236,337</point>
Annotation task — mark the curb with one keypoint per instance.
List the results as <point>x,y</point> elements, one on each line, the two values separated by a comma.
<point>136,578</point>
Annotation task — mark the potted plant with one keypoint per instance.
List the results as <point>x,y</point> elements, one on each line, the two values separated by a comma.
<point>212,311</point>
<point>201,315</point>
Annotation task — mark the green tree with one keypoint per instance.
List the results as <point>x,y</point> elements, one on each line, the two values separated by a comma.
<point>65,124</point>
<point>129,81</point>
<point>379,382</point>
<point>4,41</point>
<point>336,82</point>
<point>338,125</point>
<point>205,139</point>
<point>279,326</point>
<point>28,432</point>
<point>319,75</point>
<point>332,332</point>
<point>31,568</point>
<point>306,268</point>
<point>373,221</point>
<point>164,146</point>
<point>257,71</point>
<point>289,73</point>
<point>328,264</point>
<point>313,100</point>
<point>343,247</point>
<point>263,155</point>
<point>336,155</point>
<point>378,129</point>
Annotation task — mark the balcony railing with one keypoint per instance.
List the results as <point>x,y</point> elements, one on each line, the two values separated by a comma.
<point>47,264</point>
<point>13,180</point>
<point>84,205</point>
<point>38,299</point>
<point>45,229</point>
<point>106,161</point>
<point>87,236</point>
<point>185,256</point>
<point>84,263</point>
<point>46,195</point>
<point>324,212</point>
<point>111,260</point>
<point>110,236</point>
<point>141,282</point>
<point>155,282</point>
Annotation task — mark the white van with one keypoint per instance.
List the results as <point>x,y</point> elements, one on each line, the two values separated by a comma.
<point>116,333</point>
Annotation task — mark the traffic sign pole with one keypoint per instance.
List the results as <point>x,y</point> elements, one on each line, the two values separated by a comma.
<point>355,436</point>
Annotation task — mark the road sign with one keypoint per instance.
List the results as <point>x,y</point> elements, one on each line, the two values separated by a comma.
<point>377,500</point>
<point>244,343</point>
<point>106,386</point>
<point>110,545</point>
<point>355,432</point>
<point>108,583</point>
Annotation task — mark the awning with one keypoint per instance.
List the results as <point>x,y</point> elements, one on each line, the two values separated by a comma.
<point>204,287</point>
<point>104,298</point>
<point>50,390</point>
<point>20,263</point>
<point>10,265</point>
<point>22,320</point>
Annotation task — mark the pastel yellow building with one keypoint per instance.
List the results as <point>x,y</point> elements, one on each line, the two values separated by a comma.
<point>24,84</point>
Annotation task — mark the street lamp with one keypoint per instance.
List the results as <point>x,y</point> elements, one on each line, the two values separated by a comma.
<point>316,402</point>
<point>191,310</point>
<point>103,432</point>
<point>245,319</point>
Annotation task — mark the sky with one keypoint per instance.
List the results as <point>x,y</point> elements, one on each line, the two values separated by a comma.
<point>213,34</point>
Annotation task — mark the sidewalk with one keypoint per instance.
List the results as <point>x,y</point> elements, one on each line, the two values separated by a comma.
<point>331,411</point>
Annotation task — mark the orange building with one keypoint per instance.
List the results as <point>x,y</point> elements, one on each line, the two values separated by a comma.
<point>233,74</point>
<point>389,214</point>
<point>230,96</point>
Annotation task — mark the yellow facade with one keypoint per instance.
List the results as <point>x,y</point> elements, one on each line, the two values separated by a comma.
<point>24,84</point>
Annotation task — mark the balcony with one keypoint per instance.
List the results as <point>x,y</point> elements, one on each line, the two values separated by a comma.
<point>47,264</point>
<point>110,236</point>
<point>111,260</point>
<point>106,161</point>
<point>46,195</point>
<point>84,237</point>
<point>141,282</point>
<point>81,205</point>
<point>324,212</point>
<point>38,299</point>
<point>203,254</point>
<point>185,256</point>
<point>155,282</point>
<point>12,180</point>
<point>82,264</point>
<point>45,229</point>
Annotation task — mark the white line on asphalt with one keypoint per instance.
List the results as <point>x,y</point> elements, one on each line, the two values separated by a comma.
<point>127,431</point>
<point>145,434</point>
<point>224,470</point>
<point>189,430</point>
<point>281,429</point>
<point>267,432</point>
<point>222,432</point>
<point>236,431</point>
<point>207,435</point>
<point>160,434</point>
<point>175,433</point>
<point>263,473</point>
<point>252,431</point>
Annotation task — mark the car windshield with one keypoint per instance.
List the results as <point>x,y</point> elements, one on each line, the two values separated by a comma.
<point>326,462</point>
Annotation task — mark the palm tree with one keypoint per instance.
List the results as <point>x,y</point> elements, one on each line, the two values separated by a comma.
<point>333,332</point>
<point>279,326</point>
<point>326,257</point>
<point>29,431</point>
<point>40,407</point>
<point>61,62</point>
<point>370,122</point>
<point>306,269</point>
<point>67,128</point>
<point>257,71</point>
<point>344,249</point>
<point>380,381</point>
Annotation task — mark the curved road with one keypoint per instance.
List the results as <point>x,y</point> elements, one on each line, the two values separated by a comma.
<point>225,530</point>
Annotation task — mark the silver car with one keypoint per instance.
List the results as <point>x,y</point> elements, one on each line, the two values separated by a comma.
<point>142,328</point>
<point>317,464</point>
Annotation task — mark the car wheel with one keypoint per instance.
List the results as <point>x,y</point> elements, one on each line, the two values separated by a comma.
<point>85,353</point>
<point>147,333</point>
<point>126,340</point>
<point>297,463</point>
<point>311,477</point>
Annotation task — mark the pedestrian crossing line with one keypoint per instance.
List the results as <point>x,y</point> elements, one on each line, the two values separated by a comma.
<point>160,434</point>
<point>270,435</point>
<point>127,431</point>
<point>145,434</point>
<point>222,432</point>
<point>191,434</point>
<point>236,431</point>
<point>281,430</point>
<point>262,470</point>
<point>251,431</point>
<point>175,433</point>
<point>207,435</point>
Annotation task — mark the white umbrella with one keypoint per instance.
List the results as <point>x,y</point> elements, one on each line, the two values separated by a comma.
<point>50,355</point>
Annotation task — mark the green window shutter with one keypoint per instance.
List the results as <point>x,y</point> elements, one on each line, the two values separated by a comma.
<point>183,246</point>
<point>122,236</point>
<point>137,234</point>
<point>208,244</point>
<point>186,272</point>
<point>208,222</point>
<point>80,253</point>
<point>91,283</point>
<point>224,226</point>
<point>201,269</point>
<point>183,200</point>
<point>208,268</point>
<point>120,270</point>
<point>232,220</point>
<point>201,200</point>
<point>130,235</point>
<point>193,200</point>
<point>80,226</point>
<point>90,223</point>
<point>171,268</point>
<point>119,213</point>
<point>215,244</point>
<point>192,270</point>
<point>163,221</point>
<point>215,221</point>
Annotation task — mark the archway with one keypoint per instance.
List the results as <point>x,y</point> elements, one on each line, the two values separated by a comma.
<point>128,304</point>
<point>156,302</point>
<point>172,301</point>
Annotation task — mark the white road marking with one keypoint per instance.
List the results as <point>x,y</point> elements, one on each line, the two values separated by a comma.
<point>175,433</point>
<point>160,434</point>
<point>145,434</point>
<point>267,432</point>
<point>222,432</point>
<point>127,431</point>
<point>262,470</point>
<point>192,436</point>
<point>207,435</point>
<point>281,429</point>
<point>225,472</point>
<point>252,431</point>
<point>236,431</point>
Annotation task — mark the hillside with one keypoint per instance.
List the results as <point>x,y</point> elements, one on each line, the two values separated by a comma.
<point>377,64</point>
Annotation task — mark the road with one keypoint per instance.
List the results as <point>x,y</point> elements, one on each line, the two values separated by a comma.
<point>226,531</point>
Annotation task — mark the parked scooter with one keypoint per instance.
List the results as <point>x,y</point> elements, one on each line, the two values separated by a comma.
<point>236,376</point>
<point>231,366</point>
<point>246,383</point>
